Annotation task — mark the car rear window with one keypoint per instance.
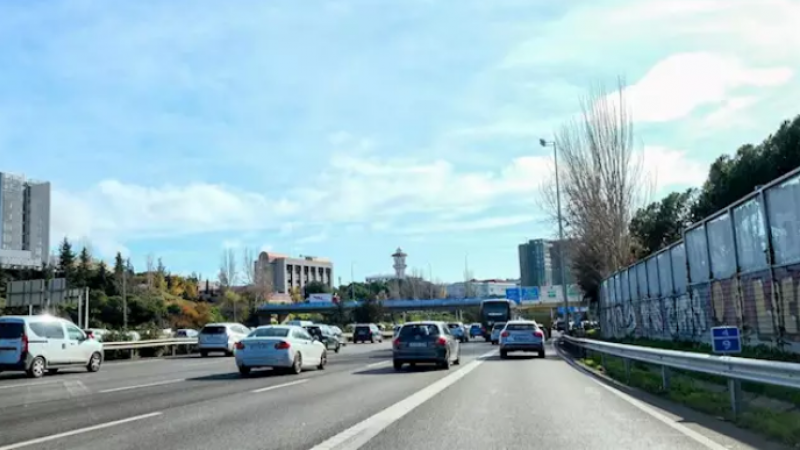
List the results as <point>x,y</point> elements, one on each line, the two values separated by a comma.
<point>216,329</point>
<point>521,326</point>
<point>419,330</point>
<point>11,330</point>
<point>362,329</point>
<point>270,332</point>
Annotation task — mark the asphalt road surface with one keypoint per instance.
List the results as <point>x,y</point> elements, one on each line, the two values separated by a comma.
<point>359,401</point>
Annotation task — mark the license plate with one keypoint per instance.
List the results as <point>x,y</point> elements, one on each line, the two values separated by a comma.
<point>417,344</point>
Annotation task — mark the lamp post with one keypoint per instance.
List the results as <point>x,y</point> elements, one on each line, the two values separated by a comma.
<point>545,143</point>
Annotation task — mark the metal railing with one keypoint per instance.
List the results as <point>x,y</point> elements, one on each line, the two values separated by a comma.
<point>735,369</point>
<point>132,346</point>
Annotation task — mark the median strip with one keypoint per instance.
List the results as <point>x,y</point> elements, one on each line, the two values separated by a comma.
<point>278,386</point>
<point>128,388</point>
<point>78,431</point>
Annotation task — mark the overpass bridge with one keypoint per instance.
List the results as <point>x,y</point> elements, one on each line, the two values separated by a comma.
<point>393,306</point>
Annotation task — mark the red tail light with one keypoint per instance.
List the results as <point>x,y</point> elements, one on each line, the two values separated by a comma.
<point>239,346</point>
<point>504,334</point>
<point>396,343</point>
<point>441,341</point>
<point>282,345</point>
<point>24,344</point>
<point>538,334</point>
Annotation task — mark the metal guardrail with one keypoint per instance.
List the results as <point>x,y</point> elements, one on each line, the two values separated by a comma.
<point>134,345</point>
<point>735,369</point>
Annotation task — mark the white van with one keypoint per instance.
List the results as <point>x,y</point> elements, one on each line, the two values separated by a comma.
<point>39,344</point>
<point>220,337</point>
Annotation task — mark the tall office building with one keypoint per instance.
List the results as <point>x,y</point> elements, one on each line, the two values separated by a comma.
<point>540,263</point>
<point>24,221</point>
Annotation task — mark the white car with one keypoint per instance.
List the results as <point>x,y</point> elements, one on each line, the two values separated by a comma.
<point>220,337</point>
<point>39,344</point>
<point>280,346</point>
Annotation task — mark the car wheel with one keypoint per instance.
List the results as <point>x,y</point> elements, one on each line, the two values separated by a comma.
<point>297,364</point>
<point>541,354</point>
<point>338,347</point>
<point>36,370</point>
<point>458,359</point>
<point>244,371</point>
<point>323,360</point>
<point>446,363</point>
<point>94,362</point>
<point>398,365</point>
<point>371,340</point>
<point>503,354</point>
<point>203,353</point>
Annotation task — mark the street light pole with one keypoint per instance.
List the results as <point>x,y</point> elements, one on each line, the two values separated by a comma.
<point>561,242</point>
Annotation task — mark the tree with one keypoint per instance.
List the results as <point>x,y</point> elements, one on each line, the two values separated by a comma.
<point>661,223</point>
<point>731,178</point>
<point>369,311</point>
<point>160,278</point>
<point>66,261</point>
<point>600,186</point>
<point>315,287</point>
<point>296,295</point>
<point>150,263</point>
<point>248,266</point>
<point>227,269</point>
<point>84,270</point>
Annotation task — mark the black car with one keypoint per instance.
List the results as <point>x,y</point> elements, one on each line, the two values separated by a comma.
<point>426,342</point>
<point>367,333</point>
<point>324,334</point>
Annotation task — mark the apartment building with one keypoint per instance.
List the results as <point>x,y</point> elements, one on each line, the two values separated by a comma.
<point>24,221</point>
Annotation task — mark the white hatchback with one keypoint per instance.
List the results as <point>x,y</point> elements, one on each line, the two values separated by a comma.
<point>220,337</point>
<point>280,346</point>
<point>39,344</point>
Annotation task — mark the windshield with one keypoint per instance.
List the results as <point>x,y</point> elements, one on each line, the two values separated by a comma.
<point>269,332</point>
<point>422,330</point>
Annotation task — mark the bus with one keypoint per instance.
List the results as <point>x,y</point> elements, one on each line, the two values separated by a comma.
<point>494,311</point>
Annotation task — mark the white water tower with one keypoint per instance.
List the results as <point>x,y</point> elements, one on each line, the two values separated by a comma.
<point>399,264</point>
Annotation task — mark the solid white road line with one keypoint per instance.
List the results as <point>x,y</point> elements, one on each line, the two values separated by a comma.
<point>360,433</point>
<point>20,385</point>
<point>379,363</point>
<point>277,386</point>
<point>78,431</point>
<point>128,388</point>
<point>666,420</point>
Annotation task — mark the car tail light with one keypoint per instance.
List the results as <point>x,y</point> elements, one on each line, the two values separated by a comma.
<point>396,343</point>
<point>24,344</point>
<point>504,334</point>
<point>538,334</point>
<point>239,346</point>
<point>441,341</point>
<point>282,345</point>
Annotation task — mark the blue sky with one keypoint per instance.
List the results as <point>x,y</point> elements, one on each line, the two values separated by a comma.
<point>345,129</point>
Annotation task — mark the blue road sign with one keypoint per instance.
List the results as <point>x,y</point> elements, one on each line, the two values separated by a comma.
<point>529,294</point>
<point>726,340</point>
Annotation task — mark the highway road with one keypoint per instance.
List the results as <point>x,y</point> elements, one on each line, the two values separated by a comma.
<point>359,401</point>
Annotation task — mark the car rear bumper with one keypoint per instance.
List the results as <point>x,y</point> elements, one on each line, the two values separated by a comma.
<point>14,367</point>
<point>522,347</point>
<point>264,361</point>
<point>220,347</point>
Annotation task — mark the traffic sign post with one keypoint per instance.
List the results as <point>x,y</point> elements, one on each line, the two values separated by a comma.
<point>726,340</point>
<point>523,294</point>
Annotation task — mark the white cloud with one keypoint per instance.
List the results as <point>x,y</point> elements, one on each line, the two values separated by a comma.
<point>352,189</point>
<point>472,225</point>
<point>669,168</point>
<point>678,85</point>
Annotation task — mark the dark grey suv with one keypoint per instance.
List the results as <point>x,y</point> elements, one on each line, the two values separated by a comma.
<point>426,342</point>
